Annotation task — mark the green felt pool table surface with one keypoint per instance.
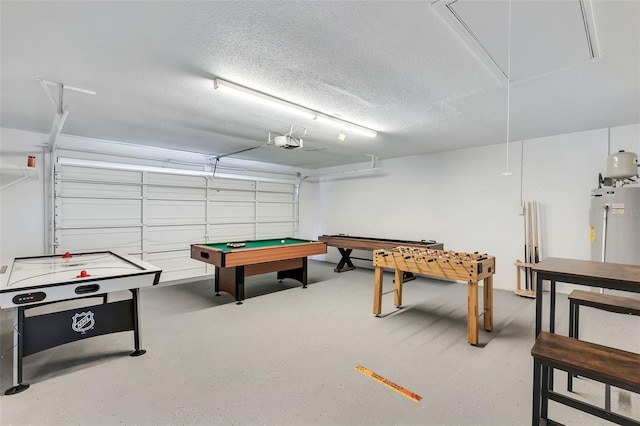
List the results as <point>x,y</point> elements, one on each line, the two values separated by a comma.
<point>222,246</point>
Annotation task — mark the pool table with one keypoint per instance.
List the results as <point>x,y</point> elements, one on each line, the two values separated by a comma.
<point>286,256</point>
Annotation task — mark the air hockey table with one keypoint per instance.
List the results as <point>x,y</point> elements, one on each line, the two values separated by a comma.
<point>29,282</point>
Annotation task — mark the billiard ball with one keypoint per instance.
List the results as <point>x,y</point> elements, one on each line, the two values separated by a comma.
<point>282,241</point>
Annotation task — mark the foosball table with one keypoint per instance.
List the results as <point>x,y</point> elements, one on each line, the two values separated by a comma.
<point>453,265</point>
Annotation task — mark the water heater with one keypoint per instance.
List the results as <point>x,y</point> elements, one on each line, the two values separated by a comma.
<point>614,221</point>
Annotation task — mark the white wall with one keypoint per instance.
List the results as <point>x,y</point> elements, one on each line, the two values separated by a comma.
<point>22,227</point>
<point>461,198</point>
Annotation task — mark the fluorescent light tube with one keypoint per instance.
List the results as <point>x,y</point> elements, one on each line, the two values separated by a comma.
<point>281,104</point>
<point>132,167</point>
<point>261,98</point>
<point>346,125</point>
<point>142,168</point>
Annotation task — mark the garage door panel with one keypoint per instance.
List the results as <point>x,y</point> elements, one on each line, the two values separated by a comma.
<point>238,184</point>
<point>275,230</point>
<point>232,212</point>
<point>175,211</point>
<point>231,195</point>
<point>176,193</point>
<point>235,232</point>
<point>124,240</point>
<point>84,212</point>
<point>275,197</point>
<point>170,179</point>
<point>174,237</point>
<point>99,190</point>
<point>276,187</point>
<point>96,174</point>
<point>275,212</point>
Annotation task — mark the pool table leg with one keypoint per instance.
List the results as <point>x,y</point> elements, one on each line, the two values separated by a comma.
<point>298,274</point>
<point>230,280</point>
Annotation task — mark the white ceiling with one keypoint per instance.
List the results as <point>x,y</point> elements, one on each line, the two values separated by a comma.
<point>398,67</point>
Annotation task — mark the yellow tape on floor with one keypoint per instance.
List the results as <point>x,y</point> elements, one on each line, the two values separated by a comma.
<point>388,383</point>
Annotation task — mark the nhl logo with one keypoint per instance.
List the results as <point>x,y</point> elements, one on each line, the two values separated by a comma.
<point>82,322</point>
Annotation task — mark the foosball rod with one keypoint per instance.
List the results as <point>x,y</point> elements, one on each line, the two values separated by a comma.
<point>397,254</point>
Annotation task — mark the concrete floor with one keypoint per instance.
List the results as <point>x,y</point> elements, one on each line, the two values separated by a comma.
<point>287,356</point>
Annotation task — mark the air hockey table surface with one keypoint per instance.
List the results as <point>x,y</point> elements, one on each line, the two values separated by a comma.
<point>50,278</point>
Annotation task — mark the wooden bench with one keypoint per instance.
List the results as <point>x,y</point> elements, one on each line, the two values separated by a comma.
<point>605,302</point>
<point>611,366</point>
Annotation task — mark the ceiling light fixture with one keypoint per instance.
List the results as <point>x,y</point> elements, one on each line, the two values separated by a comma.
<point>281,104</point>
<point>261,98</point>
<point>345,125</point>
<point>252,175</point>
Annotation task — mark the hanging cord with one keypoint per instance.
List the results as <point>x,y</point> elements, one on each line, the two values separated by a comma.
<point>507,172</point>
<point>521,171</point>
<point>213,175</point>
<point>215,167</point>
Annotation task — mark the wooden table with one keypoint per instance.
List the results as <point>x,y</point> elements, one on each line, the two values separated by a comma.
<point>614,276</point>
<point>469,267</point>
<point>347,243</point>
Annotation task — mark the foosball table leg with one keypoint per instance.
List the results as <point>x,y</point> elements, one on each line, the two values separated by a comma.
<point>397,299</point>
<point>377,291</point>
<point>472,312</point>
<point>488,303</point>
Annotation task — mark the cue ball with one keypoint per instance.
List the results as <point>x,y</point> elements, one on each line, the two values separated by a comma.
<point>282,241</point>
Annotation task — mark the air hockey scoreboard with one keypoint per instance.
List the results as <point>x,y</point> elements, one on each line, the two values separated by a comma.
<point>28,282</point>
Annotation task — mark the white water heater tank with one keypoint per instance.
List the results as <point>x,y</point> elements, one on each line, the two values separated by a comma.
<point>622,165</point>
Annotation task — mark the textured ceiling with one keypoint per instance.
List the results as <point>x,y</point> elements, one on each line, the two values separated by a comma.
<point>393,66</point>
